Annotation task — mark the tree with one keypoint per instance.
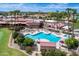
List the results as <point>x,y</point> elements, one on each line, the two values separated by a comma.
<point>71,43</point>
<point>20,39</point>
<point>53,52</point>
<point>71,13</point>
<point>18,28</point>
<point>62,15</point>
<point>16,12</point>
<point>73,20</point>
<point>15,34</point>
<point>43,52</point>
<point>52,14</point>
<point>28,42</point>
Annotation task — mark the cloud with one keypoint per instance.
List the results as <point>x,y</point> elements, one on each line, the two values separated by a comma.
<point>61,5</point>
<point>37,6</point>
<point>9,6</point>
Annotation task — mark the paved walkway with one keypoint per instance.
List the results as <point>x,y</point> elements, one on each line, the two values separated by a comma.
<point>35,53</point>
<point>66,50</point>
<point>77,51</point>
<point>15,46</point>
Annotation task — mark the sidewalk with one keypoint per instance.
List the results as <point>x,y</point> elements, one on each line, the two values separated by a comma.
<point>15,46</point>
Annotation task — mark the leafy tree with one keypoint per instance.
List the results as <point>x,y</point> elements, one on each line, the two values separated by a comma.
<point>51,14</point>
<point>71,43</point>
<point>28,42</point>
<point>15,12</point>
<point>20,39</point>
<point>18,28</point>
<point>40,17</point>
<point>15,34</point>
<point>43,52</point>
<point>53,52</point>
<point>58,16</point>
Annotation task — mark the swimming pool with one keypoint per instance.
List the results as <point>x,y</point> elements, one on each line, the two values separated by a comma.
<point>42,35</point>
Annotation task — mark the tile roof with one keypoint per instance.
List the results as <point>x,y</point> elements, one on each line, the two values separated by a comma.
<point>48,44</point>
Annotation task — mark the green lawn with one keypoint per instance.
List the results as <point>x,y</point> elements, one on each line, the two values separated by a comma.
<point>76,25</point>
<point>4,49</point>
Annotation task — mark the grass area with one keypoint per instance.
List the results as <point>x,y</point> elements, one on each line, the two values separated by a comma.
<point>76,25</point>
<point>4,49</point>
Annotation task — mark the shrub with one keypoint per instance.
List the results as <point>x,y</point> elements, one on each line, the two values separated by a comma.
<point>53,52</point>
<point>15,34</point>
<point>71,43</point>
<point>18,28</point>
<point>29,49</point>
<point>20,39</point>
<point>28,42</point>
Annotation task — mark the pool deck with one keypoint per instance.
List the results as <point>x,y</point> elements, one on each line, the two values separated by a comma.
<point>45,42</point>
<point>35,31</point>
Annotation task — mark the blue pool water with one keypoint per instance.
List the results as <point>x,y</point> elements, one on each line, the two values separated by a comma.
<point>41,35</point>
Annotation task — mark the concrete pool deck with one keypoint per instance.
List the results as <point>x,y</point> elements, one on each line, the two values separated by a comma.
<point>42,40</point>
<point>35,31</point>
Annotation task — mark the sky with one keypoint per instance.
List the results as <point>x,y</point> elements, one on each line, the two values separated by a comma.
<point>35,7</point>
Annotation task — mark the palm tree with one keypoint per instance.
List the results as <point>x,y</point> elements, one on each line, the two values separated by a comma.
<point>68,15</point>
<point>15,13</point>
<point>71,13</point>
<point>74,14</point>
<point>62,15</point>
<point>10,13</point>
<point>57,17</point>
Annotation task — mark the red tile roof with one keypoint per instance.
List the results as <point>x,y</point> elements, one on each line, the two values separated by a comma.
<point>47,44</point>
<point>23,20</point>
<point>2,22</point>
